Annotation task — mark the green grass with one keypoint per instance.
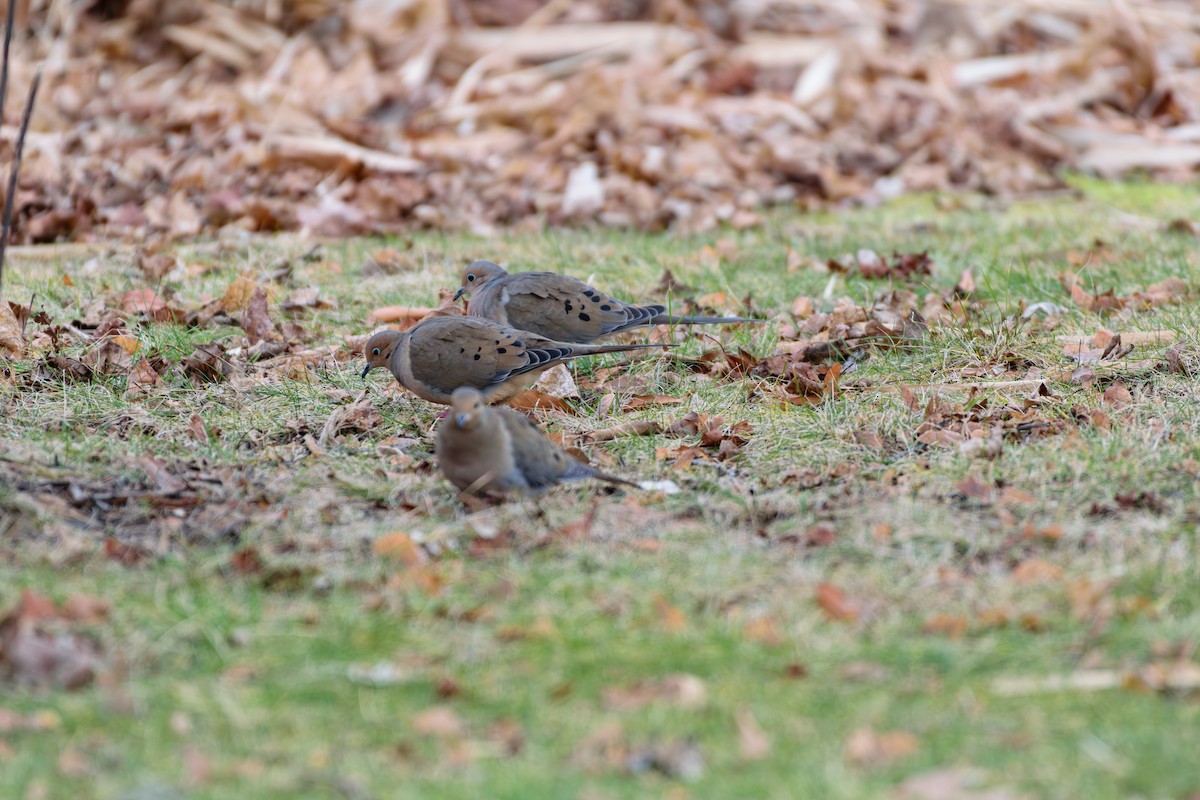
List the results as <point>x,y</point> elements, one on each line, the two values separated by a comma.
<point>226,685</point>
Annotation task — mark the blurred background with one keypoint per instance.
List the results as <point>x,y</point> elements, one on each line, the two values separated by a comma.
<point>161,119</point>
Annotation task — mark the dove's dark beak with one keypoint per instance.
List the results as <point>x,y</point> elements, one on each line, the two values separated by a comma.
<point>366,369</point>
<point>461,420</point>
<point>461,291</point>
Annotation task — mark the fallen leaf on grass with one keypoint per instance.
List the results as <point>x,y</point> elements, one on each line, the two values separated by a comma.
<point>256,319</point>
<point>156,470</point>
<point>404,317</point>
<point>389,261</point>
<point>36,721</point>
<point>680,691</point>
<point>532,399</point>
<point>641,401</point>
<point>308,297</point>
<point>357,417</point>
<point>107,357</point>
<point>401,317</point>
<point>1176,677</point>
<point>148,305</point>
<point>508,736</point>
<point>72,763</point>
<point>127,554</point>
<point>763,629</point>
<point>196,429</point>
<point>247,561</point>
<point>208,362</point>
<point>718,441</point>
<point>820,535</point>
<point>953,783</point>
<point>836,605</point>
<point>1168,291</point>
<point>1117,395</point>
<point>399,547</point>
<point>11,339</point>
<point>670,617</point>
<point>155,266</point>
<point>753,744</point>
<point>974,489</point>
<point>901,265</point>
<point>635,427</point>
<point>142,378</point>
<point>864,672</point>
<point>866,748</point>
<point>442,722</point>
<point>36,652</point>
<point>85,608</point>
<point>1035,570</point>
<point>557,382</point>
<point>238,294</point>
<point>953,626</point>
<point>1171,677</point>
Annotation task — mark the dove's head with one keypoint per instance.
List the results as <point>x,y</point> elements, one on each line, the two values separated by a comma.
<point>379,349</point>
<point>466,406</point>
<point>476,274</point>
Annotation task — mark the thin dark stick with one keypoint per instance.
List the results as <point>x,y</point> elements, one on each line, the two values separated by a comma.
<point>8,29</point>
<point>10,198</point>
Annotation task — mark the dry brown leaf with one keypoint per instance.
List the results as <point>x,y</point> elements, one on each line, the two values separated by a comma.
<point>763,629</point>
<point>1117,395</point>
<point>11,340</point>
<point>256,319</point>
<point>951,625</point>
<point>1035,570</point>
<point>836,605</point>
<point>867,748</point>
<point>142,378</point>
<point>86,608</point>
<point>953,783</point>
<point>399,317</point>
<point>531,400</point>
<point>196,429</point>
<point>641,401</point>
<point>400,547</point>
<point>680,690</point>
<point>753,744</point>
<point>635,427</point>
<point>671,618</point>
<point>35,652</point>
<point>441,722</point>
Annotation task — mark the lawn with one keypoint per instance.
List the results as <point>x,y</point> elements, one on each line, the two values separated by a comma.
<point>964,567</point>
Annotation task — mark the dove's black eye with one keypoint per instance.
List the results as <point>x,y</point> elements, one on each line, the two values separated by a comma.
<point>375,351</point>
<point>471,277</point>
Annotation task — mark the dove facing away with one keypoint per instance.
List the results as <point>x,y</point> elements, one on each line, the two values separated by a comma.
<point>494,451</point>
<point>561,307</point>
<point>439,355</point>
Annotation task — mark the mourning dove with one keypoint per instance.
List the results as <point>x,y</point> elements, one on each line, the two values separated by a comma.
<point>485,450</point>
<point>441,354</point>
<point>559,306</point>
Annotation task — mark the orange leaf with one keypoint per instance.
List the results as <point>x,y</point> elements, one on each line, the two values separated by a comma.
<point>670,617</point>
<point>531,399</point>
<point>835,604</point>
<point>398,546</point>
<point>952,625</point>
<point>1035,570</point>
